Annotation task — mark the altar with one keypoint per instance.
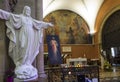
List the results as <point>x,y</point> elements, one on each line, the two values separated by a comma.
<point>76,62</point>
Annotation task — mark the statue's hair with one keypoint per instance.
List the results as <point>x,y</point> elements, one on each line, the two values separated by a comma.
<point>24,10</point>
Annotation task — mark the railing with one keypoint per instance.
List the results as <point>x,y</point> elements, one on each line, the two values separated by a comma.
<point>73,74</point>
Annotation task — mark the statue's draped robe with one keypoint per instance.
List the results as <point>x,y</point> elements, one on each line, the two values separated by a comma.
<point>25,34</point>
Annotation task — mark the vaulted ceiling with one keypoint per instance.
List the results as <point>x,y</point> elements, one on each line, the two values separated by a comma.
<point>88,9</point>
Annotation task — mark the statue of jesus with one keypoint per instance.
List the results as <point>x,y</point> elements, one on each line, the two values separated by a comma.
<point>25,34</point>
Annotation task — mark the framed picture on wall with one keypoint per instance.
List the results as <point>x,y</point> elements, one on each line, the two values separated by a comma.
<point>54,52</point>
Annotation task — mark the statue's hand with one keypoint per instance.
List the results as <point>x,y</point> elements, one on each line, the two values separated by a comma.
<point>50,24</point>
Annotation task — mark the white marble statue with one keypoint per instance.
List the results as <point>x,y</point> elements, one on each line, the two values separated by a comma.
<point>25,34</point>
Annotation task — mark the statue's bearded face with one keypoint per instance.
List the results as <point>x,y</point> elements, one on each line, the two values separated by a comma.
<point>27,11</point>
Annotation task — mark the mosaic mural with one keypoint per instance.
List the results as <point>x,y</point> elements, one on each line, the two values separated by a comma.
<point>70,27</point>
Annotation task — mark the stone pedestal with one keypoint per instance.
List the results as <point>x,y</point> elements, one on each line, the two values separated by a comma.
<point>42,79</point>
<point>17,80</point>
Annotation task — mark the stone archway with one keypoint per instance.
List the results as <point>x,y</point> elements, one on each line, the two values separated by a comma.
<point>102,46</point>
<point>110,37</point>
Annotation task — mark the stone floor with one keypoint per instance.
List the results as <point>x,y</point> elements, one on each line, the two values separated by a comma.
<point>110,76</point>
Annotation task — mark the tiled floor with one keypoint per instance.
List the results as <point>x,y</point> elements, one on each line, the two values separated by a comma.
<point>110,76</point>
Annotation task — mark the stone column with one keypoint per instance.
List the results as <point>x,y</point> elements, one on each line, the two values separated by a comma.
<point>6,5</point>
<point>40,57</point>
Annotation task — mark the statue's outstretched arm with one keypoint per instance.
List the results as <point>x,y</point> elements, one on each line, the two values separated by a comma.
<point>4,15</point>
<point>46,24</point>
<point>41,24</point>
